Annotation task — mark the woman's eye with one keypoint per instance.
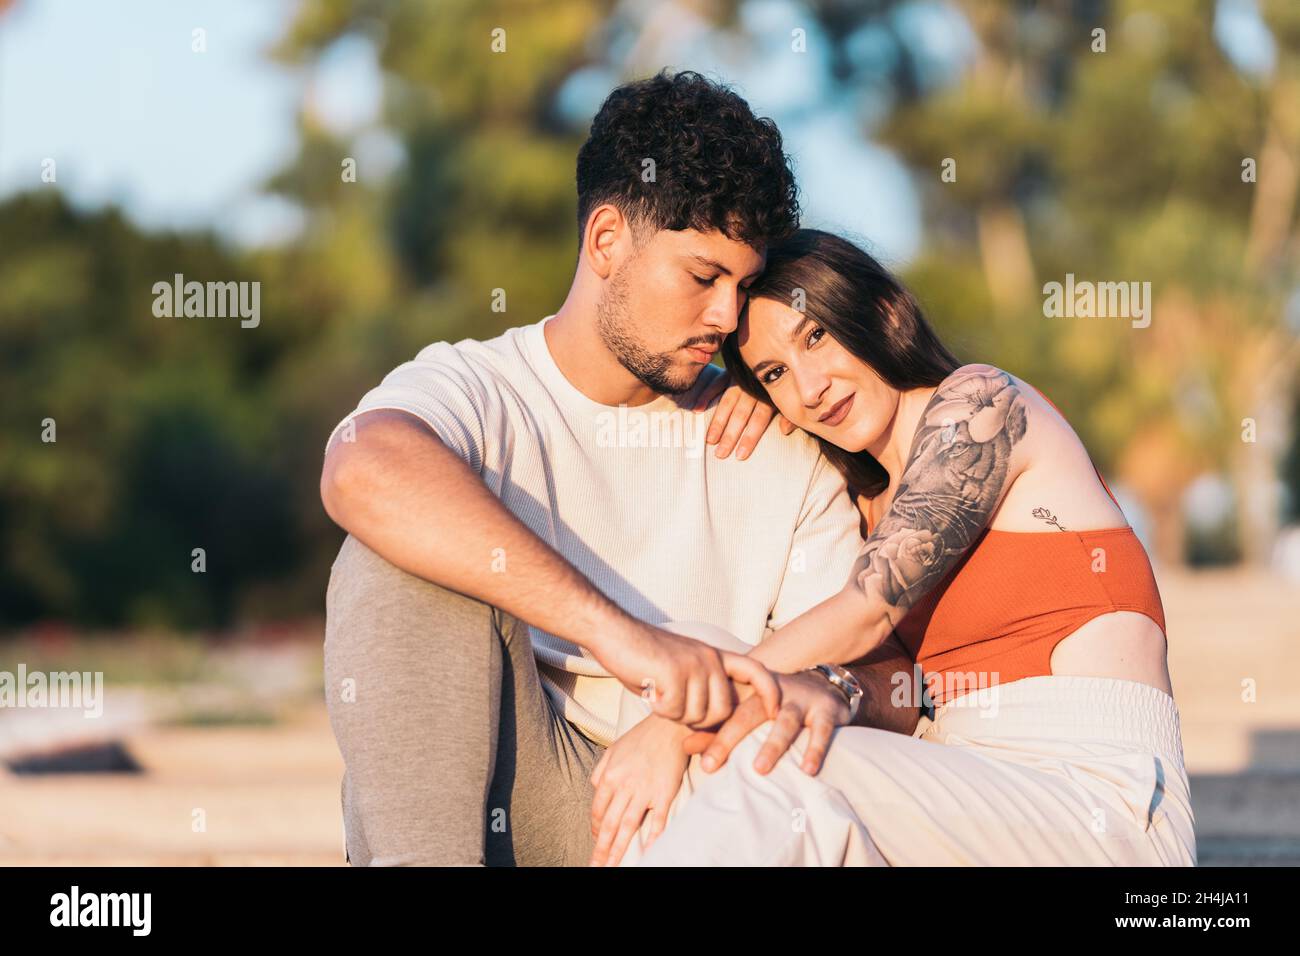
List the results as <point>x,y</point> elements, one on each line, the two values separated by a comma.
<point>771,375</point>
<point>815,336</point>
<point>702,280</point>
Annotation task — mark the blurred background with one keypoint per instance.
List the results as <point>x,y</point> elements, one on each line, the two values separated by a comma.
<point>380,166</point>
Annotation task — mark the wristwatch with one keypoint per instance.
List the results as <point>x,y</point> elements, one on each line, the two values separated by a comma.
<point>842,679</point>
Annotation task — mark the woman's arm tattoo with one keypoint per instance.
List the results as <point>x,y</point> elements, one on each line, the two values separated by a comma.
<point>955,476</point>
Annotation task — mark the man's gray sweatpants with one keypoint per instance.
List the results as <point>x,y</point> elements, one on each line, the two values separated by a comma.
<point>453,752</point>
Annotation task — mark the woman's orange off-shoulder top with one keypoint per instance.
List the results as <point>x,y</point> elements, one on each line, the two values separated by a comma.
<point>998,615</point>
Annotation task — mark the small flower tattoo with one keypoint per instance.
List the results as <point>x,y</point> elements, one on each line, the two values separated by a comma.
<point>1047,516</point>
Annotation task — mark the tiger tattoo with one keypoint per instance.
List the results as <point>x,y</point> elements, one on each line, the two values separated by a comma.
<point>955,475</point>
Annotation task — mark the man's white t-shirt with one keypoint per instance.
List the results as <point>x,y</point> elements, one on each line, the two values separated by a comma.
<point>634,499</point>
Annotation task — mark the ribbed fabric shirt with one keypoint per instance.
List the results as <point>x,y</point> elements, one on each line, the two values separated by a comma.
<point>634,499</point>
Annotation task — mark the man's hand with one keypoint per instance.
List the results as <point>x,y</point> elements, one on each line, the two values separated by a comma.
<point>683,679</point>
<point>739,421</point>
<point>808,700</point>
<point>639,774</point>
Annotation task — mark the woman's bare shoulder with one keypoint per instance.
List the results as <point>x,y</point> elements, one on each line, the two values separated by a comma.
<point>981,384</point>
<point>1057,476</point>
<point>976,403</point>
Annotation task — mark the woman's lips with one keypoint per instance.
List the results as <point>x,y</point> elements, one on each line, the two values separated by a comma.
<point>838,411</point>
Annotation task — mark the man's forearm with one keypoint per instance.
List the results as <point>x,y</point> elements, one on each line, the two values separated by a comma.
<point>412,500</point>
<point>880,673</point>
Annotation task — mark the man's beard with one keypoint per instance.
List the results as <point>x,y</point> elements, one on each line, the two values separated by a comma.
<point>654,369</point>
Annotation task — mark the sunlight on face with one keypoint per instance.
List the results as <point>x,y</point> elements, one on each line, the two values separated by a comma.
<point>668,307</point>
<point>813,380</point>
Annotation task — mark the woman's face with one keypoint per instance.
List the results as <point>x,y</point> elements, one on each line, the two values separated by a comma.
<point>813,380</point>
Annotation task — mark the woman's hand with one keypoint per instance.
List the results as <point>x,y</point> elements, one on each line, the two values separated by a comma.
<point>638,774</point>
<point>739,420</point>
<point>807,700</point>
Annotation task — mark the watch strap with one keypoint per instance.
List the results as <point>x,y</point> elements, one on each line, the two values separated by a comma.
<point>852,695</point>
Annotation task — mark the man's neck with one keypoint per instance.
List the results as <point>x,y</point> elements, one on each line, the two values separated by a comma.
<point>585,360</point>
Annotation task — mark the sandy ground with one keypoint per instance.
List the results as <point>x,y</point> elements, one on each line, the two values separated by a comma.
<point>269,795</point>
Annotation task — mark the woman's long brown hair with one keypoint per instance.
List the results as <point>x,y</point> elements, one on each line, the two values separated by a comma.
<point>864,308</point>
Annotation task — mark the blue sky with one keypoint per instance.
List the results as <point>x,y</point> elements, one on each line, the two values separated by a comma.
<point>114,93</point>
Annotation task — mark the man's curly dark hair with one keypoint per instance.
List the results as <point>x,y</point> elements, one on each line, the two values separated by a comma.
<point>716,165</point>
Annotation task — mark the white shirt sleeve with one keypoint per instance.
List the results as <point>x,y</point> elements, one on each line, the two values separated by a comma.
<point>444,390</point>
<point>826,544</point>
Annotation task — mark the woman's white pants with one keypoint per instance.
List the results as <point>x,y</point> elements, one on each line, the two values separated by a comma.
<point>1055,771</point>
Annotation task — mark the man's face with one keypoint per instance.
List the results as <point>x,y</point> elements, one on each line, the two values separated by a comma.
<point>665,311</point>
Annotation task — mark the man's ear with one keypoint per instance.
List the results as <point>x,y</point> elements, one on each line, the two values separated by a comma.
<point>608,232</point>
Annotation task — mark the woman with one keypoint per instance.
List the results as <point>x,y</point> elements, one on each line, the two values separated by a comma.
<point>996,551</point>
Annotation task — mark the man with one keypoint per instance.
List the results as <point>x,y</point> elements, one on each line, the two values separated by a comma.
<point>489,484</point>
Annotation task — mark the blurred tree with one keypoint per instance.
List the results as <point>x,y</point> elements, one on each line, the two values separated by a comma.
<point>481,200</point>
<point>1120,165</point>
<point>176,434</point>
<point>1116,164</point>
<point>163,437</point>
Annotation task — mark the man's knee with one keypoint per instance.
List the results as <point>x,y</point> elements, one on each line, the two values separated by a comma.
<point>396,632</point>
<point>360,578</point>
<point>368,596</point>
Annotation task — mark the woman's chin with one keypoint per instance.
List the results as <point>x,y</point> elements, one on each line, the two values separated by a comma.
<point>844,436</point>
<point>840,438</point>
<point>855,443</point>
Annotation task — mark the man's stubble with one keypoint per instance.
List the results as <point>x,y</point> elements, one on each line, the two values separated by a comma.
<point>616,328</point>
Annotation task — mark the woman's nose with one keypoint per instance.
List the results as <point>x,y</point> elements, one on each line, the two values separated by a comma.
<point>812,387</point>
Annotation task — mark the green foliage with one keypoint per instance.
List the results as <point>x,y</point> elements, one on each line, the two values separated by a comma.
<point>175,433</point>
<point>1117,165</point>
<point>164,439</point>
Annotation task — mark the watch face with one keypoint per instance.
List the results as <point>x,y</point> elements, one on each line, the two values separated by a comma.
<point>846,675</point>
